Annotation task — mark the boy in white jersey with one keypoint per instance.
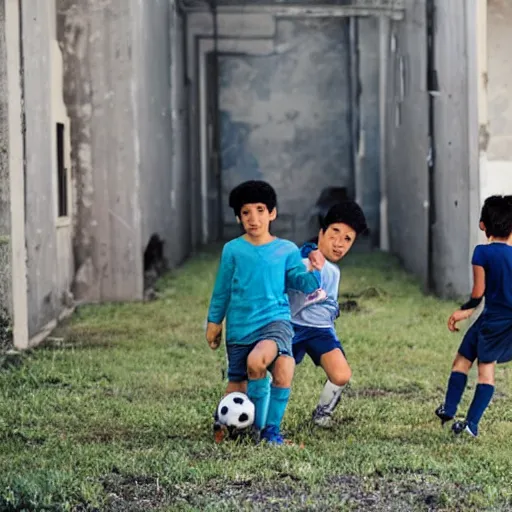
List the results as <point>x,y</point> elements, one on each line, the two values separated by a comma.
<point>313,323</point>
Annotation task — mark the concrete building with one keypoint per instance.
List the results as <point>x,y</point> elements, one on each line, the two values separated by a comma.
<point>124,124</point>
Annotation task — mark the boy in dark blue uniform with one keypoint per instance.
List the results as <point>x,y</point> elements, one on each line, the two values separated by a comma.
<point>489,339</point>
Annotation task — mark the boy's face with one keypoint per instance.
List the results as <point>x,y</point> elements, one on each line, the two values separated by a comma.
<point>256,219</point>
<point>336,241</point>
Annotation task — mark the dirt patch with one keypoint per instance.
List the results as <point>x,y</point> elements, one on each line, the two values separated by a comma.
<point>127,494</point>
<point>411,389</point>
<point>349,306</point>
<point>285,491</point>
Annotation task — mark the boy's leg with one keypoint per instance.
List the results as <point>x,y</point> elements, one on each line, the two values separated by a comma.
<point>456,386</point>
<point>282,373</point>
<point>458,379</point>
<point>481,400</point>
<point>234,387</point>
<point>338,373</point>
<point>237,381</point>
<point>258,388</point>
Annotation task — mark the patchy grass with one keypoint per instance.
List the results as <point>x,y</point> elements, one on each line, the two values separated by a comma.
<point>114,413</point>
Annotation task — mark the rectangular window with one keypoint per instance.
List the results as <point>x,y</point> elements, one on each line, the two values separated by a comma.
<point>62,173</point>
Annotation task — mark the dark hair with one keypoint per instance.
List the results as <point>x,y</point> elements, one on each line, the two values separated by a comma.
<point>496,216</point>
<point>250,192</point>
<point>348,212</point>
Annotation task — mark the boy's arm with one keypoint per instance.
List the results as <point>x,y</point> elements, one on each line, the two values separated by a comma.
<point>467,309</point>
<point>222,288</point>
<point>298,277</point>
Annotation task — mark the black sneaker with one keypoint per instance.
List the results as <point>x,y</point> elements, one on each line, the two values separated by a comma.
<point>462,426</point>
<point>441,414</point>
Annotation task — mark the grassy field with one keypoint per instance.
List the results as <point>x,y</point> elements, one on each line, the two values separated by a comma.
<point>114,413</point>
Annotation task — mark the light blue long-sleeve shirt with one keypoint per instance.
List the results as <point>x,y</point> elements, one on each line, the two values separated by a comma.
<point>251,284</point>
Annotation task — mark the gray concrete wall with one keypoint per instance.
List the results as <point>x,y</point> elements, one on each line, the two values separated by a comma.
<point>163,190</point>
<point>44,302</point>
<point>407,149</point>
<point>5,203</point>
<point>285,118</point>
<point>451,234</point>
<point>180,245</point>
<point>154,123</point>
<point>367,161</point>
<point>407,146</point>
<point>100,94</point>
<point>496,140</point>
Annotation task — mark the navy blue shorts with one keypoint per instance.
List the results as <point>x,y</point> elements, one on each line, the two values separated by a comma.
<point>489,340</point>
<point>314,341</point>
<point>280,331</point>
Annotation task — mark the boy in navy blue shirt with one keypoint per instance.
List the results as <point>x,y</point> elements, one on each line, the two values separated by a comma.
<point>255,271</point>
<point>489,339</point>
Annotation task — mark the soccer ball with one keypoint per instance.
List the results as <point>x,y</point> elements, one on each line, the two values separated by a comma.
<point>236,410</point>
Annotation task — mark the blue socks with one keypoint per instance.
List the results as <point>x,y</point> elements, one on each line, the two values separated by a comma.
<point>456,385</point>
<point>258,392</point>
<point>269,402</point>
<point>481,400</point>
<point>278,401</point>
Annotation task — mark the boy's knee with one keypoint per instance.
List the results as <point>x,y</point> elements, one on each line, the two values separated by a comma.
<point>282,372</point>
<point>461,364</point>
<point>256,368</point>
<point>486,374</point>
<point>341,378</point>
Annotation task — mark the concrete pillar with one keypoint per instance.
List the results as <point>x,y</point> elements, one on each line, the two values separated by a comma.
<point>16,175</point>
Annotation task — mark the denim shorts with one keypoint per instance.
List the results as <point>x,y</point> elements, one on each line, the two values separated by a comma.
<point>280,331</point>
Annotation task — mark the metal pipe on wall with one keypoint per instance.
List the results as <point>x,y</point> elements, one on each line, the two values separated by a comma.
<point>433,91</point>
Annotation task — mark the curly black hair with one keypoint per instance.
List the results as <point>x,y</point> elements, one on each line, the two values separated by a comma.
<point>496,216</point>
<point>348,212</point>
<point>250,192</point>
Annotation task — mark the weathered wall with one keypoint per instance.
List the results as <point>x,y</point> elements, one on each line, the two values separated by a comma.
<point>154,123</point>
<point>160,119</point>
<point>497,141</point>
<point>100,93</point>
<point>285,118</point>
<point>179,246</point>
<point>44,301</point>
<point>451,233</point>
<point>407,146</point>
<point>124,89</point>
<point>5,204</point>
<point>367,161</point>
<point>407,151</point>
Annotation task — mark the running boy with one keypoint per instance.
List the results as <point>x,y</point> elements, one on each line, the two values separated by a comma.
<point>489,339</point>
<point>313,324</point>
<point>250,291</point>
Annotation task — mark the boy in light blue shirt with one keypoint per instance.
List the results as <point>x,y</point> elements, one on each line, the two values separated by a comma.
<point>313,323</point>
<point>255,272</point>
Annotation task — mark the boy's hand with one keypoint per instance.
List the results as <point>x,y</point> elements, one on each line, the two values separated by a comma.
<point>213,335</point>
<point>317,259</point>
<point>456,317</point>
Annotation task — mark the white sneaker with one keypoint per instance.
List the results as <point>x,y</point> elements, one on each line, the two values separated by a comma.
<point>321,418</point>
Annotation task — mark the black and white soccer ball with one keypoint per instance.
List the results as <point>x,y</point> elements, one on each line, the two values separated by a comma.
<point>236,411</point>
